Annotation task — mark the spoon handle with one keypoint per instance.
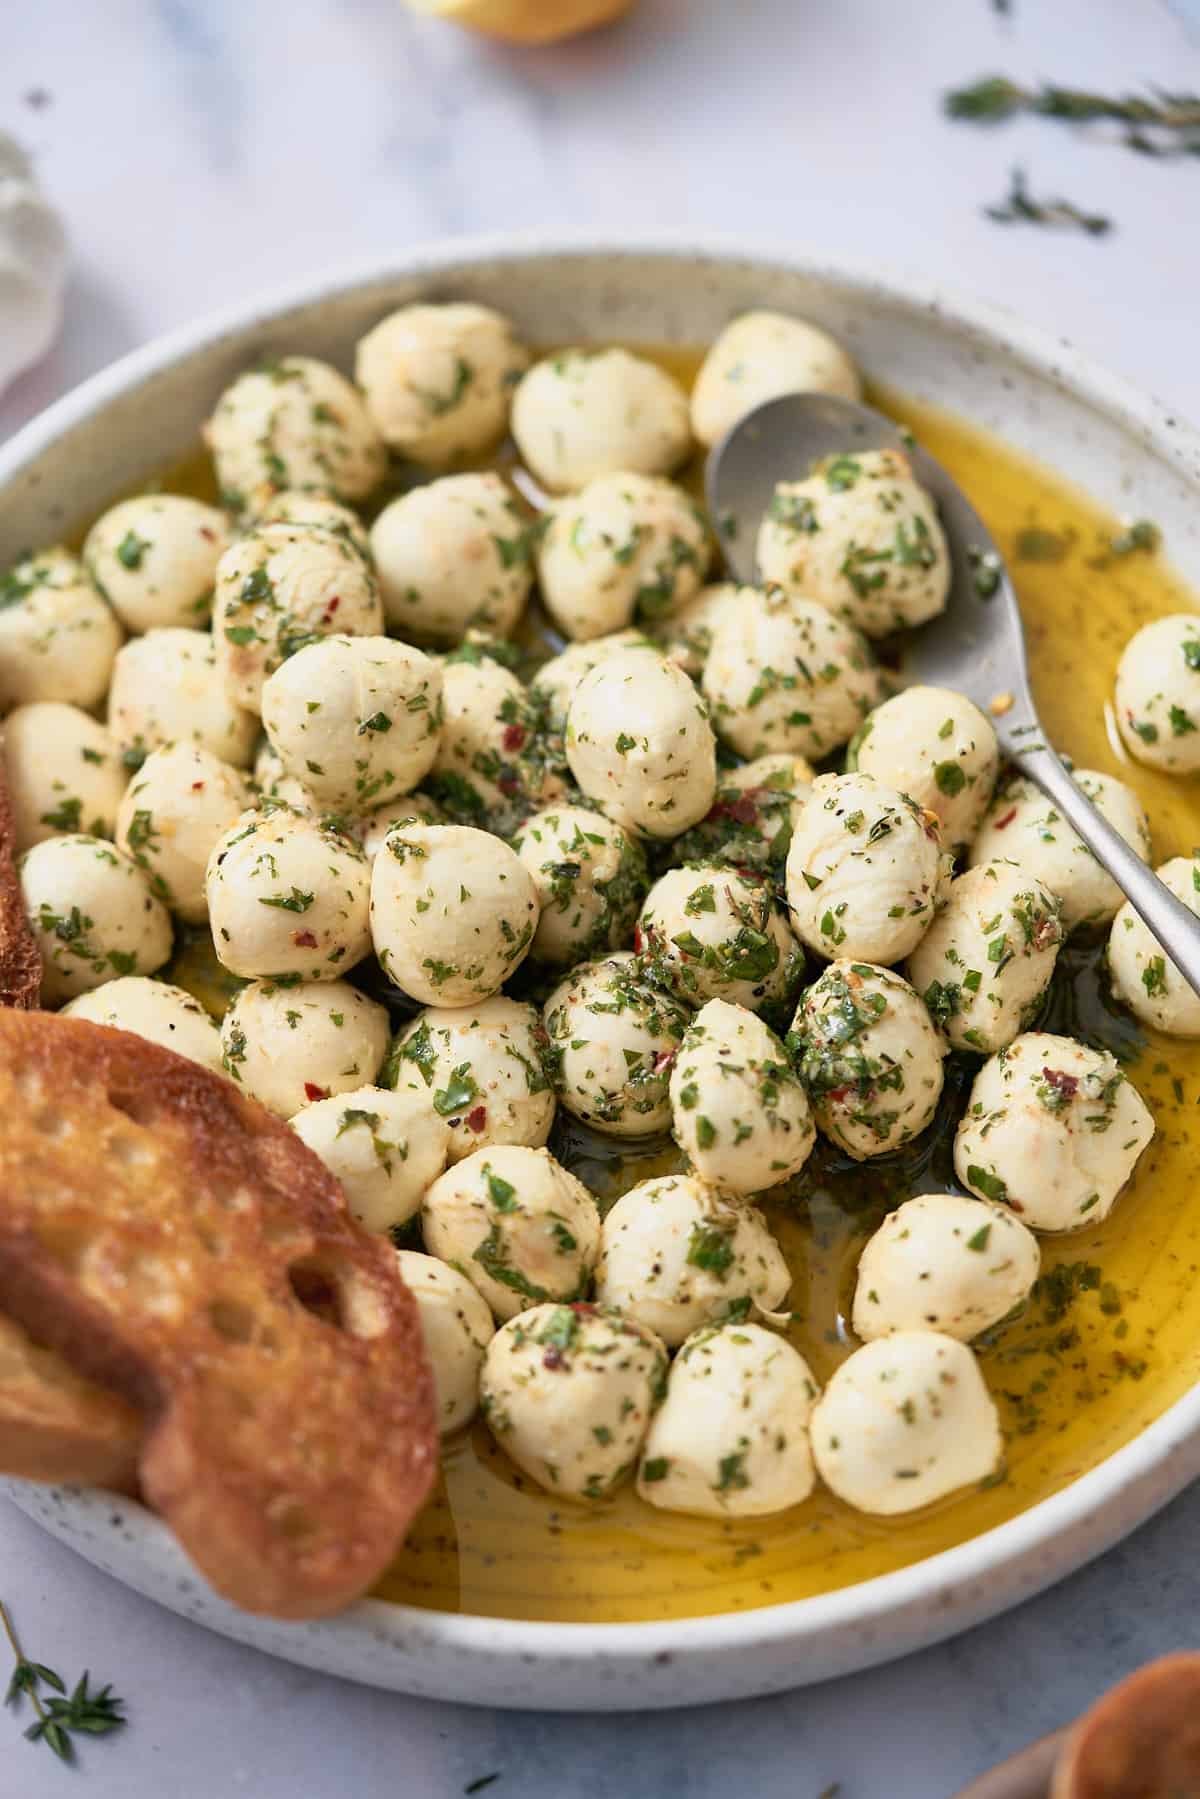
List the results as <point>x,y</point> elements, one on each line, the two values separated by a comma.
<point>1176,927</point>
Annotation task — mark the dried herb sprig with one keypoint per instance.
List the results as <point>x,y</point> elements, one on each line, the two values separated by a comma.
<point>1159,123</point>
<point>1020,207</point>
<point>59,1713</point>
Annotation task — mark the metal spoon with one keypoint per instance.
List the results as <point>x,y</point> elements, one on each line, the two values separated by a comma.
<point>976,647</point>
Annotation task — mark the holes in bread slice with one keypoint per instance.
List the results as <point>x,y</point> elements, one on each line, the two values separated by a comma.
<point>329,1285</point>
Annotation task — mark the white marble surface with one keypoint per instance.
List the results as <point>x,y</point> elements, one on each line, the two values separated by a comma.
<point>201,148</point>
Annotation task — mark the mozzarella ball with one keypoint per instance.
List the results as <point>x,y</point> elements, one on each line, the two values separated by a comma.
<point>453,912</point>
<point>155,559</point>
<point>613,1038</point>
<point>517,1224</point>
<point>155,1010</point>
<point>438,379</point>
<point>63,773</point>
<point>278,588</point>
<point>676,1256</point>
<point>1025,826</point>
<point>904,1421</point>
<point>492,765</point>
<point>686,635</point>
<point>738,1110</point>
<point>457,1328</point>
<point>288,895</point>
<point>861,537</point>
<point>985,963</point>
<point>382,1148</point>
<point>295,506</point>
<point>1054,1130</point>
<point>58,638</point>
<point>1157,700</point>
<point>750,823</point>
<point>556,681</point>
<point>938,748</point>
<point>179,803</point>
<point>453,554</point>
<point>1142,973</point>
<point>760,356</point>
<point>784,674</point>
<point>374,828</point>
<point>717,933</point>
<point>272,782</point>
<point>625,545</point>
<point>584,413</point>
<point>292,1045</point>
<point>869,1057</point>
<point>481,1068</point>
<point>355,719</point>
<point>93,915</point>
<point>293,423</point>
<point>590,877</point>
<point>731,1438</point>
<point>639,743</point>
<point>944,1263</point>
<point>166,688</point>
<point>865,871</point>
<point>569,1392</point>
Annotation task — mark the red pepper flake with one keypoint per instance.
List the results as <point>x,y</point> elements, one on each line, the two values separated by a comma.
<point>304,940</point>
<point>1063,1083</point>
<point>663,1060</point>
<point>514,737</point>
<point>312,1091</point>
<point>1002,824</point>
<point>332,607</point>
<point>197,786</point>
<point>554,1358</point>
<point>639,942</point>
<point>477,1119</point>
<point>743,811</point>
<point>583,1308</point>
<point>508,784</point>
<point>208,534</point>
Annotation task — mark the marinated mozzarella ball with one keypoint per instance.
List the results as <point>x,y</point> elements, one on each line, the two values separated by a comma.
<point>1141,972</point>
<point>869,1057</point>
<point>738,1110</point>
<point>717,933</point>
<point>63,773</point>
<point>639,743</point>
<point>944,1263</point>
<point>1157,699</point>
<point>862,537</point>
<point>293,423</point>
<point>865,871</point>
<point>278,588</point>
<point>686,635</point>
<point>155,1010</point>
<point>758,357</point>
<point>383,1149</point>
<point>590,877</point>
<point>453,554</point>
<point>676,1256</point>
<point>179,803</point>
<point>377,824</point>
<point>751,821</point>
<point>904,1421</point>
<point>296,506</point>
<point>613,1038</point>
<point>584,413</point>
<point>272,782</point>
<point>492,765</point>
<point>290,1046</point>
<point>985,963</point>
<point>481,1068</point>
<point>355,719</point>
<point>1054,1130</point>
<point>517,1224</point>
<point>784,674</point>
<point>453,912</point>
<point>58,638</point>
<point>166,688</point>
<point>1025,826</point>
<point>731,1438</point>
<point>938,748</point>
<point>625,545</point>
<point>569,1392</point>
<point>438,379</point>
<point>93,915</point>
<point>155,559</point>
<point>457,1328</point>
<point>555,682</point>
<point>288,895</point>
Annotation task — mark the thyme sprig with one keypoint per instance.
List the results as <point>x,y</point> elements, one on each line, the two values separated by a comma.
<point>1020,207</point>
<point>59,1713</point>
<point>1159,123</point>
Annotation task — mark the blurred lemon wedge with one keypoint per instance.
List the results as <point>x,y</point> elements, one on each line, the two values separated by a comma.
<point>526,21</point>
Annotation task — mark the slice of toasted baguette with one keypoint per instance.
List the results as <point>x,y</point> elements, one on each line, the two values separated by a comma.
<point>177,1243</point>
<point>20,958</point>
<point>56,1426</point>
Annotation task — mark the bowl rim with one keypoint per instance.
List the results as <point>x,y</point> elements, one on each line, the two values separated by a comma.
<point>1169,1447</point>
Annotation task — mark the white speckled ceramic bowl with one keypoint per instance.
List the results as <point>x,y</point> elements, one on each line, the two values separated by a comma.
<point>145,412</point>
